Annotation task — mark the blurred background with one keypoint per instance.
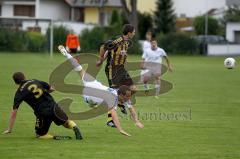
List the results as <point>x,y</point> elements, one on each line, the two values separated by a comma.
<point>206,27</point>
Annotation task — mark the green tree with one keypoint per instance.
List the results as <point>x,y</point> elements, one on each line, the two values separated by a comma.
<point>115,19</point>
<point>199,25</point>
<point>130,12</point>
<point>232,14</point>
<point>145,24</point>
<point>59,36</point>
<point>164,16</point>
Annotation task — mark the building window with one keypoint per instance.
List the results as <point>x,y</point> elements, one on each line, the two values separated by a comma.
<point>107,18</point>
<point>237,37</point>
<point>79,15</point>
<point>24,10</point>
<point>0,10</point>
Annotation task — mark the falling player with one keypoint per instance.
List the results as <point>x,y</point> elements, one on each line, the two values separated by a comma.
<point>122,95</point>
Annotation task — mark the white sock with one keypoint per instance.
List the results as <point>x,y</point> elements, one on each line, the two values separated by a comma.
<point>69,56</point>
<point>74,62</point>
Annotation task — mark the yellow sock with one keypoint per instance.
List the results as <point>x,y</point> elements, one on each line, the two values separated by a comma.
<point>47,136</point>
<point>69,124</point>
<point>109,116</point>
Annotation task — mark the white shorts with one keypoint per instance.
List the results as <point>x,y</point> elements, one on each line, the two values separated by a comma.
<point>152,70</point>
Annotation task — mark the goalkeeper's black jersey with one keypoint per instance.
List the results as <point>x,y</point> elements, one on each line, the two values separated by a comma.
<point>36,94</point>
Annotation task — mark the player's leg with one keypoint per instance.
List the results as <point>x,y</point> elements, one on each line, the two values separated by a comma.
<point>77,67</point>
<point>72,125</point>
<point>157,85</point>
<point>109,115</point>
<point>157,75</point>
<point>110,121</point>
<point>146,78</point>
<point>41,128</point>
<point>60,118</point>
<point>74,62</point>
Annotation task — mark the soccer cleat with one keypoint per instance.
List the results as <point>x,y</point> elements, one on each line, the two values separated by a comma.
<point>62,49</point>
<point>77,133</point>
<point>62,137</point>
<point>123,109</point>
<point>46,136</point>
<point>111,124</point>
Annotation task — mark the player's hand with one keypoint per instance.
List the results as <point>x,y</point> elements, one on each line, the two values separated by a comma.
<point>124,133</point>
<point>78,48</point>
<point>139,124</point>
<point>7,131</point>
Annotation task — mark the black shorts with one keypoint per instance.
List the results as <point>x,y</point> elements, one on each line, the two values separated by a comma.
<point>120,77</point>
<point>107,74</point>
<point>74,50</point>
<point>43,121</point>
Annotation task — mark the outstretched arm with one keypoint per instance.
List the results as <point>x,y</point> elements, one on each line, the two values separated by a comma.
<point>102,56</point>
<point>11,121</point>
<point>168,63</point>
<point>117,123</point>
<point>135,118</point>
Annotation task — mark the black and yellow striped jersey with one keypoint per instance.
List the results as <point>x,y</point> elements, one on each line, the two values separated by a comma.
<point>117,51</point>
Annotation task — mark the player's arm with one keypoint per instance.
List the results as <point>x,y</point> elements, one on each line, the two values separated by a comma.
<point>11,121</point>
<point>78,44</point>
<point>47,87</point>
<point>102,56</point>
<point>117,123</point>
<point>168,63</point>
<point>17,101</point>
<point>135,118</point>
<point>67,42</point>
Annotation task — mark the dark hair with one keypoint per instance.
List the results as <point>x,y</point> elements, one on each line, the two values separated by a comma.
<point>128,28</point>
<point>123,90</point>
<point>18,77</point>
<point>149,32</point>
<point>153,39</point>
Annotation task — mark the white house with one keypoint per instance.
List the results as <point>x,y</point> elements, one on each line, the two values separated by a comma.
<point>233,32</point>
<point>75,14</point>
<point>45,9</point>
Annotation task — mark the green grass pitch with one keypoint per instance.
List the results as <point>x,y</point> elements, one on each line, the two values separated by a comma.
<point>205,100</point>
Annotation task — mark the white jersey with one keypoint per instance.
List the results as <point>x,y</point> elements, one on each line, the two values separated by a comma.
<point>93,100</point>
<point>150,55</point>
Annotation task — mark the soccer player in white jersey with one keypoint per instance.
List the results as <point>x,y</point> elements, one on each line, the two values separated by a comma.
<point>122,95</point>
<point>151,62</point>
